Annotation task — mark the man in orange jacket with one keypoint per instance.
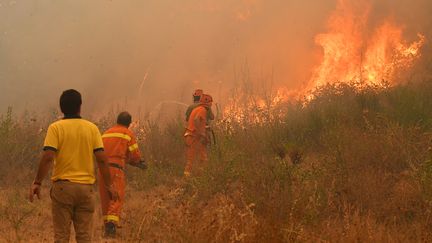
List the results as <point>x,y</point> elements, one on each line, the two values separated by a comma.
<point>196,137</point>
<point>196,96</point>
<point>121,147</point>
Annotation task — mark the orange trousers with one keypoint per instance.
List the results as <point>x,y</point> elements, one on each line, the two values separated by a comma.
<point>111,209</point>
<point>195,148</point>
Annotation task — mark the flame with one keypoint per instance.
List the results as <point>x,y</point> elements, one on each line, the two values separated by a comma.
<point>257,109</point>
<point>352,53</point>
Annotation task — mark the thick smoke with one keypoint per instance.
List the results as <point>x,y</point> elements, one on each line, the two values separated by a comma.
<point>135,54</point>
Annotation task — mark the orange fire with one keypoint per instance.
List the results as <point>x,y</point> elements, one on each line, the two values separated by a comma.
<point>351,52</point>
<point>255,109</point>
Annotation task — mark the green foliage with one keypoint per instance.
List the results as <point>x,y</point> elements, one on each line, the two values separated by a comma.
<point>20,142</point>
<point>410,104</point>
<point>425,177</point>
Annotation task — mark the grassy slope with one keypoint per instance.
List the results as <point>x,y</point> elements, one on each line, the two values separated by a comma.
<point>349,166</point>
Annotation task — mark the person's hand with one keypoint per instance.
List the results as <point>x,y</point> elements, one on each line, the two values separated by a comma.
<point>142,165</point>
<point>113,193</point>
<point>34,189</point>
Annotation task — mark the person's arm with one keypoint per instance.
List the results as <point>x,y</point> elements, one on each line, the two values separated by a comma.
<point>48,155</point>
<point>210,114</point>
<point>45,164</point>
<point>133,152</point>
<point>200,122</point>
<point>187,114</point>
<point>102,162</point>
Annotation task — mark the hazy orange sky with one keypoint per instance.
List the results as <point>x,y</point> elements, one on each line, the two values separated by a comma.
<point>105,48</point>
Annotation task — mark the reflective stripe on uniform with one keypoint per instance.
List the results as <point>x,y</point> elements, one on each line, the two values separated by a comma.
<point>117,135</point>
<point>112,218</point>
<point>133,147</point>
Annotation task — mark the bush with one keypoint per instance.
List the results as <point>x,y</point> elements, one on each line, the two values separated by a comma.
<point>350,165</point>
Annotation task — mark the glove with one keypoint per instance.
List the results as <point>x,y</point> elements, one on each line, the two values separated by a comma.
<point>142,165</point>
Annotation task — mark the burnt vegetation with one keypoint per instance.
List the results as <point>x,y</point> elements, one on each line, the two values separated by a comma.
<point>350,165</point>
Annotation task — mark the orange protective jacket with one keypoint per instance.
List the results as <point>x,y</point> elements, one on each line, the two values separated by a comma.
<point>200,113</point>
<point>120,145</point>
<point>196,146</point>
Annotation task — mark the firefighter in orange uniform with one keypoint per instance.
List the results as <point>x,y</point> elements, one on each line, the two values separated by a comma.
<point>120,147</point>
<point>196,137</point>
<point>196,96</point>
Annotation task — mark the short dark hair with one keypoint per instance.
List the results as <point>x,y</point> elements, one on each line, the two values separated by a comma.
<point>124,118</point>
<point>70,102</point>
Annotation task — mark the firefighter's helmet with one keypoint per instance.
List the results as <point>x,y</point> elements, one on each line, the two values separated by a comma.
<point>198,92</point>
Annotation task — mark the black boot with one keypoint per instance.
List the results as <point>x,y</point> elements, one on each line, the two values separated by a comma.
<point>110,229</point>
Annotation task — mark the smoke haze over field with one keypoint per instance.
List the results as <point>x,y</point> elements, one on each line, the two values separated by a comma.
<point>144,52</point>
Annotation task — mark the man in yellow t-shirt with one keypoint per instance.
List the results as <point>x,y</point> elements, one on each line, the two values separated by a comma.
<point>70,144</point>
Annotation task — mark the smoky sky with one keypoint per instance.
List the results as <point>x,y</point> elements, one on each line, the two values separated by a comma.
<point>139,53</point>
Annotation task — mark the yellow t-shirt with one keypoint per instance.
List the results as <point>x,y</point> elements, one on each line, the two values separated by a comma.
<point>74,140</point>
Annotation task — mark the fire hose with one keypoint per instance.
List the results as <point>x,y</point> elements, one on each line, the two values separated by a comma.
<point>213,142</point>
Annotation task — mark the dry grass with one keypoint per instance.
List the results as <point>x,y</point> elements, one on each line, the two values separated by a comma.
<point>352,166</point>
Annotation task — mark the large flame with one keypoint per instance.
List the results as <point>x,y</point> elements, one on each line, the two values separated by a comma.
<point>352,52</point>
